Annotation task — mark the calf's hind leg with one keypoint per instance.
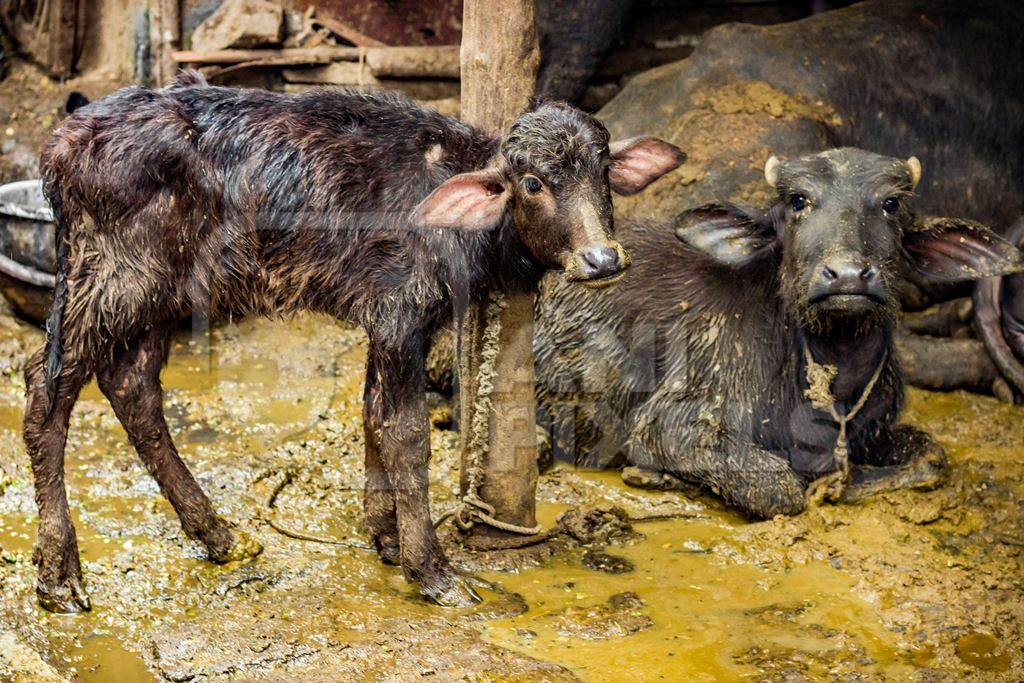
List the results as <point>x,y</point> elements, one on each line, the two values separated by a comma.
<point>59,573</point>
<point>132,385</point>
<point>378,494</point>
<point>405,452</point>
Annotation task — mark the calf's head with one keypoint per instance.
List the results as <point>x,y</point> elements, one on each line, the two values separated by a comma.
<point>845,225</point>
<point>553,179</point>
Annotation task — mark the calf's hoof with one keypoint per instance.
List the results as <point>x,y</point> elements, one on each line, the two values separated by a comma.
<point>243,547</point>
<point>388,549</point>
<point>66,597</point>
<point>450,591</point>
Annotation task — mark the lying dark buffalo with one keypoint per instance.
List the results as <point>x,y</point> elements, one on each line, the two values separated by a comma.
<point>755,354</point>
<point>941,80</point>
<point>676,369</point>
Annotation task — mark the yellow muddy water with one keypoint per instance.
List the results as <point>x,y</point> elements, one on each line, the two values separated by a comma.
<point>910,585</point>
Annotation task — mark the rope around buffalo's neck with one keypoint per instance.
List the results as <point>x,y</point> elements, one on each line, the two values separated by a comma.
<point>819,391</point>
<point>471,509</point>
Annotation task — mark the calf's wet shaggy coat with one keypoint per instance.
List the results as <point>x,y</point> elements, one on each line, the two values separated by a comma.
<point>231,203</point>
<point>697,363</point>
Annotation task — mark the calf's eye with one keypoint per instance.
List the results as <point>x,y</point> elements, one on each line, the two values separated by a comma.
<point>798,202</point>
<point>891,205</point>
<point>532,184</point>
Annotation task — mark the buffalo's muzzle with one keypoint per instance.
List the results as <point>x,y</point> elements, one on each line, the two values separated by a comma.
<point>847,286</point>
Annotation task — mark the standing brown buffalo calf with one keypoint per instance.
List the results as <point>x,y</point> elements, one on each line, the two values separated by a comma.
<point>241,202</point>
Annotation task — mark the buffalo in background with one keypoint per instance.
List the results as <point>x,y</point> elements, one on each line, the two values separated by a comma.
<point>941,81</point>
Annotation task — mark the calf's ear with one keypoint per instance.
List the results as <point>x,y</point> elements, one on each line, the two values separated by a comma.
<point>951,249</point>
<point>467,201</point>
<point>638,162</point>
<point>731,235</point>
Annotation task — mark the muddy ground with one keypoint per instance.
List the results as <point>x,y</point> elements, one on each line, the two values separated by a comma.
<point>924,586</point>
<point>911,586</point>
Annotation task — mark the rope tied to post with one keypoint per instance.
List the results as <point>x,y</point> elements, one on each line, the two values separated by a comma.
<point>819,392</point>
<point>472,509</point>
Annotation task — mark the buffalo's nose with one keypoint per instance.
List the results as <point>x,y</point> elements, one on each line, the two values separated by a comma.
<point>598,262</point>
<point>848,277</point>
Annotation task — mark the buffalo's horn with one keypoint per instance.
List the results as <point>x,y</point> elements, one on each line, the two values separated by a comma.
<point>771,170</point>
<point>914,166</point>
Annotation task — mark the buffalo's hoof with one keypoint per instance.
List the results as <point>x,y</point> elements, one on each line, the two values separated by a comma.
<point>655,480</point>
<point>68,597</point>
<point>243,548</point>
<point>925,472</point>
<point>830,487</point>
<point>450,591</point>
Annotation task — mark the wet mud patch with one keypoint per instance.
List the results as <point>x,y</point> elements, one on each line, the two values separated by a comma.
<point>910,585</point>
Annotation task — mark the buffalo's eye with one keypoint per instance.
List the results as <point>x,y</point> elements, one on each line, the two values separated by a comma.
<point>798,202</point>
<point>532,184</point>
<point>891,205</point>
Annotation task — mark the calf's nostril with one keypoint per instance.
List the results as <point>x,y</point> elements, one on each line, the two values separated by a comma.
<point>867,274</point>
<point>829,273</point>
<point>600,261</point>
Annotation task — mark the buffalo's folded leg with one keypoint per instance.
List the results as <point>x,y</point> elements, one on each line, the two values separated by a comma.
<point>760,484</point>
<point>908,459</point>
<point>988,322</point>
<point>999,317</point>
<point>1012,305</point>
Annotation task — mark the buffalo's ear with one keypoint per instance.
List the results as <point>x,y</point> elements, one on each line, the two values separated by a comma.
<point>731,235</point>
<point>638,162</point>
<point>951,249</point>
<point>467,201</point>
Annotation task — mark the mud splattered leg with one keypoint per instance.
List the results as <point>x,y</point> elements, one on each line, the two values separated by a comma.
<point>405,451</point>
<point>757,482</point>
<point>378,495</point>
<point>59,573</point>
<point>132,385</point>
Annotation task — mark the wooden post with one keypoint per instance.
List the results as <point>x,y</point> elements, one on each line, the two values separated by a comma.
<point>60,58</point>
<point>164,39</point>
<point>499,62</point>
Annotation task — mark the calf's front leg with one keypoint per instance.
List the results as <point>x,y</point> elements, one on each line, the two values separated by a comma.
<point>404,446</point>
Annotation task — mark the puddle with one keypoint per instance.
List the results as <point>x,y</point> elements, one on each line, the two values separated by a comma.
<point>98,657</point>
<point>707,616</point>
<point>982,651</point>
